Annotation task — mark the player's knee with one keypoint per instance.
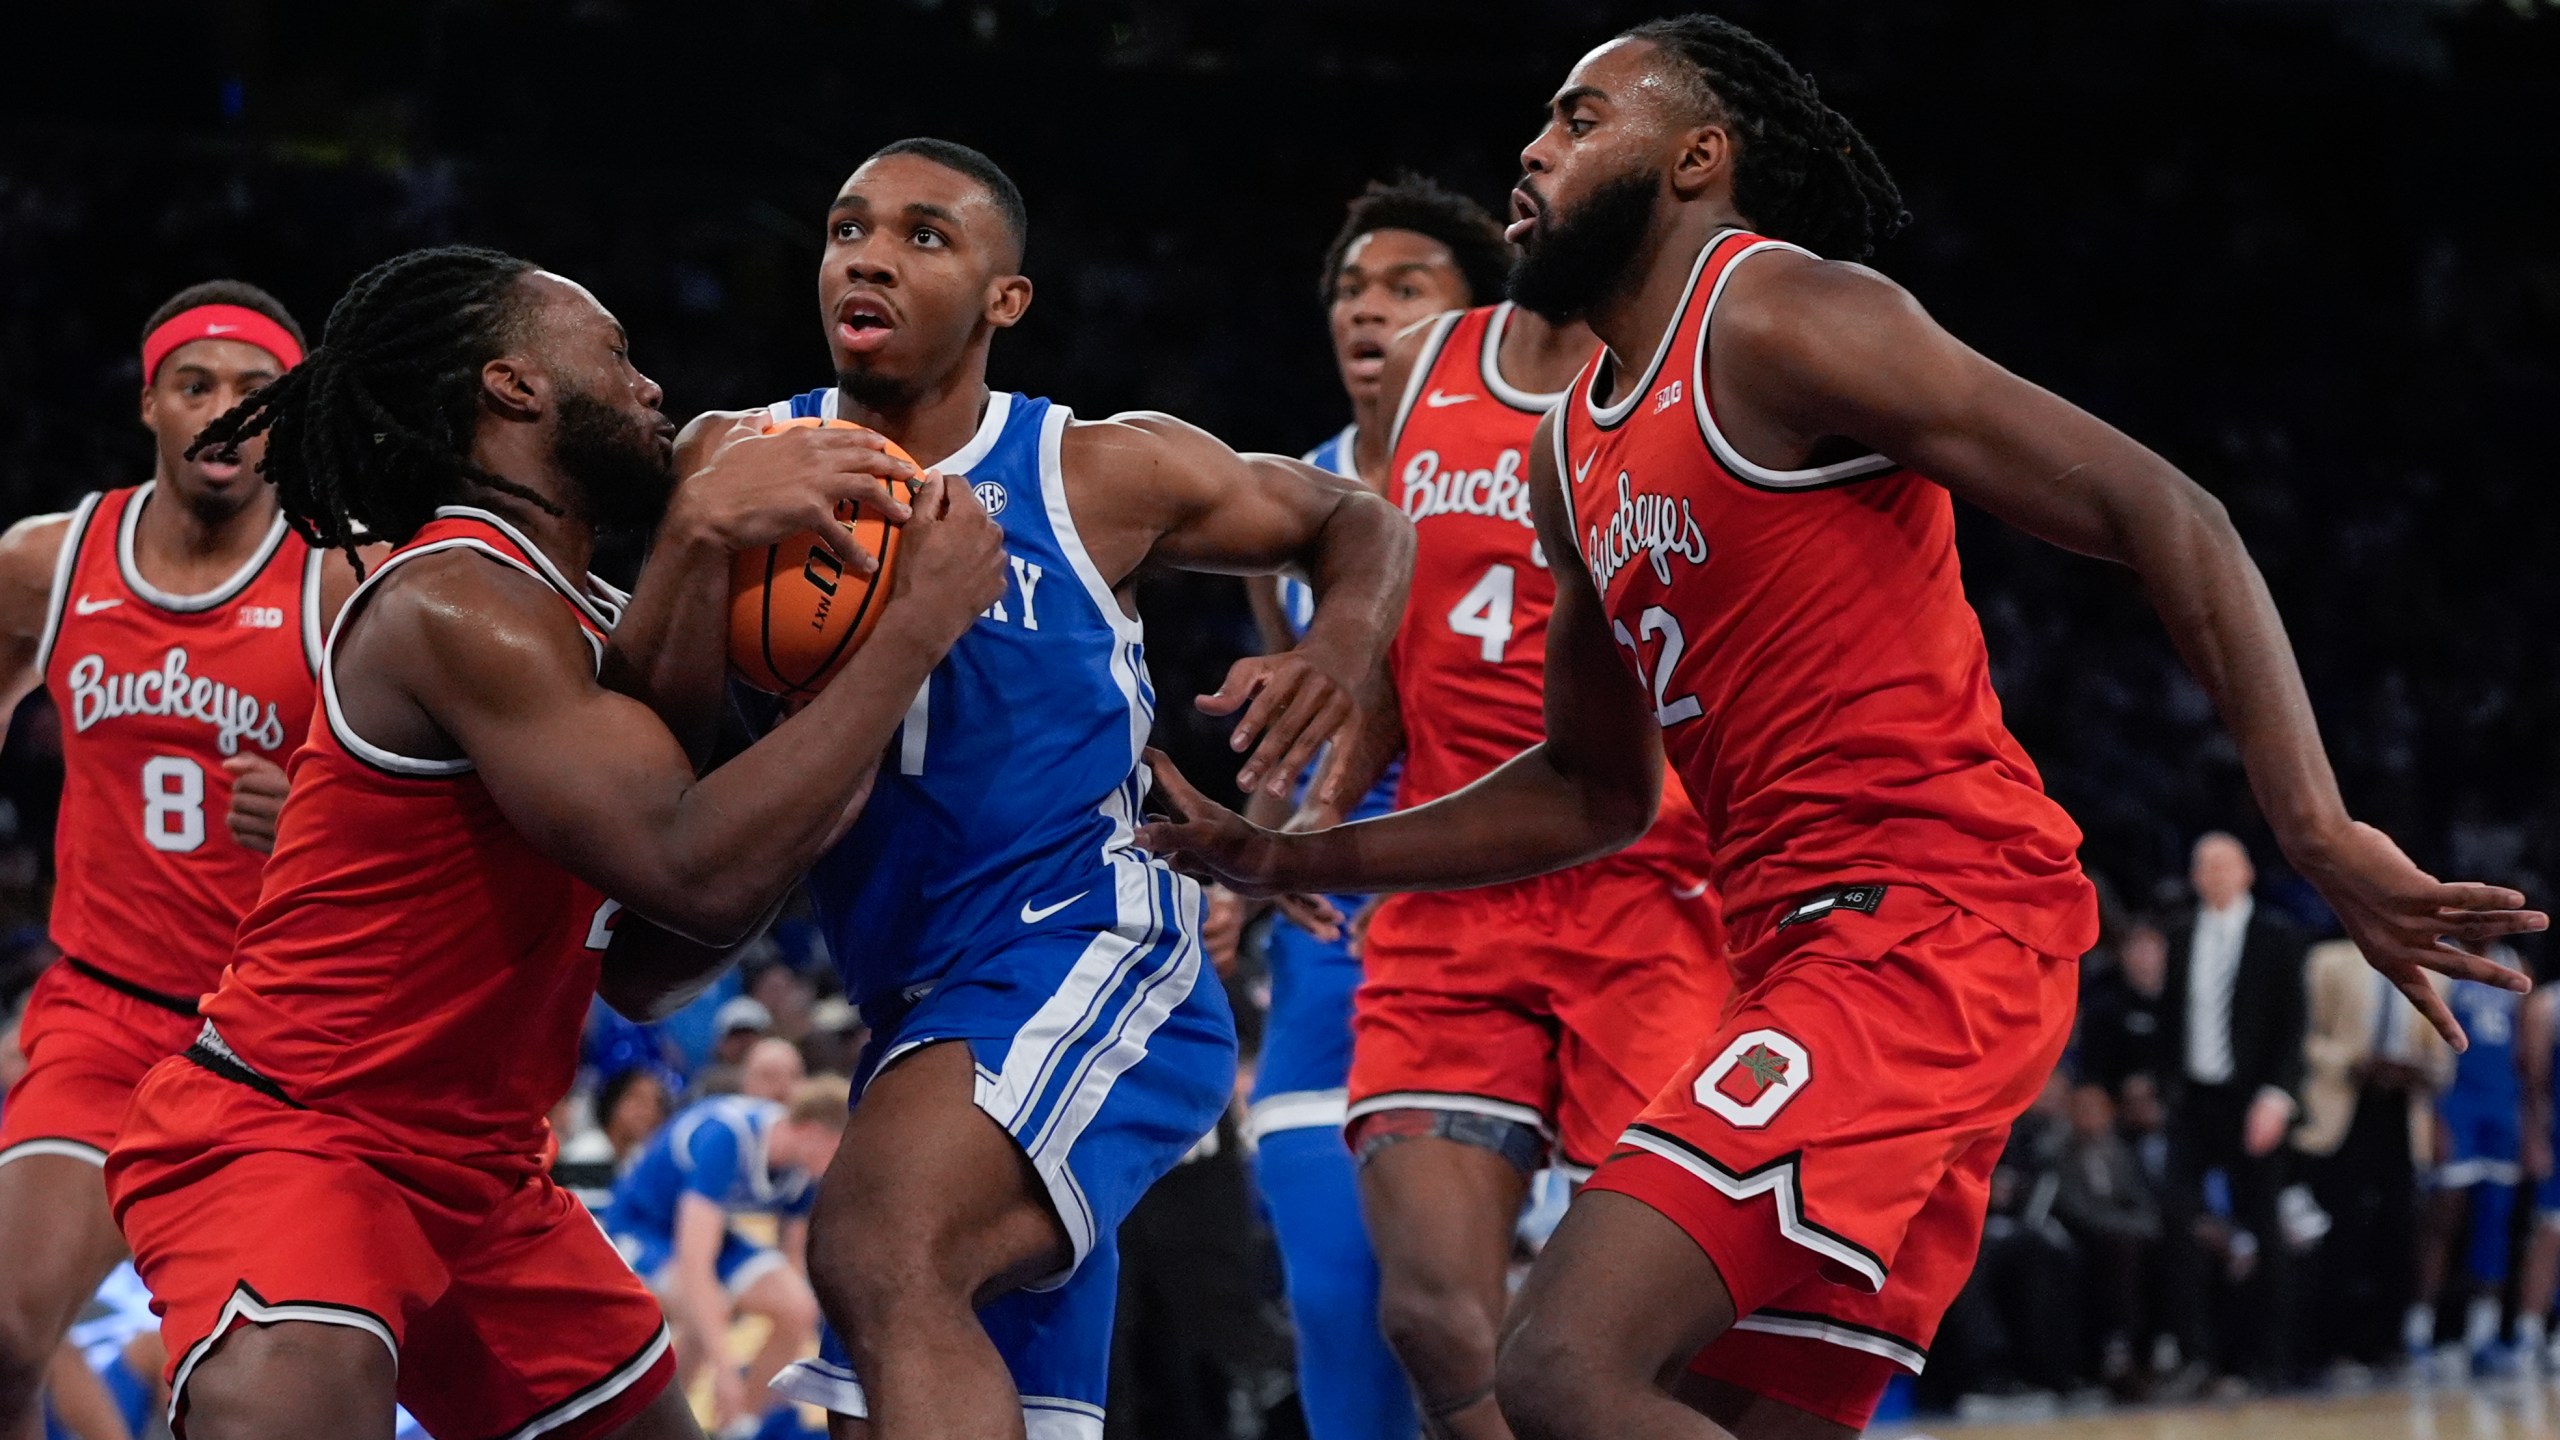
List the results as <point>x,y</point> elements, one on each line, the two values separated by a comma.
<point>1438,1331</point>
<point>865,1273</point>
<point>1546,1385</point>
<point>288,1382</point>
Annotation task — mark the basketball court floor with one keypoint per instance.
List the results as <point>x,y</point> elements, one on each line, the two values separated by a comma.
<point>2486,1410</point>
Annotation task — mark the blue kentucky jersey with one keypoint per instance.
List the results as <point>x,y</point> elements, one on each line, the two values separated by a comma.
<point>714,1148</point>
<point>2485,1074</point>
<point>1306,1044</point>
<point>1008,799</point>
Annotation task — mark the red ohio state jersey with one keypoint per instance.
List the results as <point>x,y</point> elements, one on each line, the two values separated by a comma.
<point>1469,660</point>
<point>1804,636</point>
<point>415,962</point>
<point>155,691</point>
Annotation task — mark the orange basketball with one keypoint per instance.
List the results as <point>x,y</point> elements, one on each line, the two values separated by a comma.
<point>796,613</point>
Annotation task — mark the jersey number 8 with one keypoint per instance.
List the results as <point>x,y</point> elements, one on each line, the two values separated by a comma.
<point>173,803</point>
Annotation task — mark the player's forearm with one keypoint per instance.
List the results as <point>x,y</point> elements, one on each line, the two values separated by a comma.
<point>741,836</point>
<point>670,651</point>
<point>1359,566</point>
<point>1525,818</point>
<point>651,972</point>
<point>2209,594</point>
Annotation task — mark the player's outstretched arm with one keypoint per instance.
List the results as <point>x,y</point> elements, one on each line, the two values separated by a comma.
<point>1825,349</point>
<point>599,784</point>
<point>1205,507</point>
<point>740,488</point>
<point>1590,788</point>
<point>28,551</point>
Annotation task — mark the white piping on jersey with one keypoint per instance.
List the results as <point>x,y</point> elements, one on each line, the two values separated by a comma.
<point>595,599</point>
<point>187,604</point>
<point>73,535</point>
<point>1296,1110</point>
<point>1062,523</point>
<point>244,1306</point>
<point>392,760</point>
<point>1423,361</point>
<point>1342,442</point>
<point>983,439</point>
<point>736,1114</point>
<point>313,642</point>
<point>1565,479</point>
<point>1608,417</point>
<point>1731,458</point>
<point>1490,363</point>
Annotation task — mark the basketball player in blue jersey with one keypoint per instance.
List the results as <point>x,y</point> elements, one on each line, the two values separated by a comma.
<point>1047,1037</point>
<point>1407,250</point>
<point>2475,1185</point>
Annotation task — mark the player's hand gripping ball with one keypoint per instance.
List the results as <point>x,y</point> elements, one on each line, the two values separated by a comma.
<point>796,612</point>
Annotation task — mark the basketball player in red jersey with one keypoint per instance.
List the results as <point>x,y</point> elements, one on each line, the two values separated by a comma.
<point>1523,1024</point>
<point>1755,576</point>
<point>175,626</point>
<point>337,1194</point>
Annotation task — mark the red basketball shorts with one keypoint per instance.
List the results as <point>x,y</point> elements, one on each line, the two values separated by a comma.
<point>1831,1147</point>
<point>1562,1002</point>
<point>88,1045</point>
<point>505,1308</point>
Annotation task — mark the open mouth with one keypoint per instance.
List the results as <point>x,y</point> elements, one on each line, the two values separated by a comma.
<point>219,465</point>
<point>1365,358</point>
<point>863,322</point>
<point>1524,215</point>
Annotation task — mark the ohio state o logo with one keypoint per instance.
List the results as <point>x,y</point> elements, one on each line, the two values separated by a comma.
<point>1754,1078</point>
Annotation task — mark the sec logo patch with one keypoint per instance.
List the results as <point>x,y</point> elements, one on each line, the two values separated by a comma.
<point>991,494</point>
<point>1754,1078</point>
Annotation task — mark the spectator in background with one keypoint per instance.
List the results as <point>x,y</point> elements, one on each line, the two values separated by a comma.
<point>627,1109</point>
<point>2014,1327</point>
<point>671,1216</point>
<point>786,995</point>
<point>2475,1156</point>
<point>2375,1066</point>
<point>2232,1007</point>
<point>2120,1032</point>
<point>772,1070</point>
<point>836,1037</point>
<point>741,1022</point>
<point>2108,1205</point>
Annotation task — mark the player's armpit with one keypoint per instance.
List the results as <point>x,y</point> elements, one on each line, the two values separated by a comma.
<point>28,552</point>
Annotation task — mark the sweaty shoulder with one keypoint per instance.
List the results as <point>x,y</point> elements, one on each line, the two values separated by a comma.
<point>1781,303</point>
<point>1802,350</point>
<point>458,631</point>
<point>29,551</point>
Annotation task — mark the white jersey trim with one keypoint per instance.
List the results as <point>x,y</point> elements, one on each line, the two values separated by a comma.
<point>1608,417</point>
<point>1731,458</point>
<point>79,1150</point>
<point>73,536</point>
<point>595,599</point>
<point>314,642</point>
<point>187,604</point>
<point>1489,363</point>
<point>391,760</point>
<point>1062,524</point>
<point>1423,363</point>
<point>1810,1328</point>
<point>1296,1110</point>
<point>245,1306</point>
<point>1455,1103</point>
<point>599,1393</point>
<point>834,1389</point>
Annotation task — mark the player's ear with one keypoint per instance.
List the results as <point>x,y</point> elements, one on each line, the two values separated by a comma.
<point>515,387</point>
<point>1704,158</point>
<point>1008,297</point>
<point>150,405</point>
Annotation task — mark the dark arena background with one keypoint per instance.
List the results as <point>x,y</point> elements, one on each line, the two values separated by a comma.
<point>2302,248</point>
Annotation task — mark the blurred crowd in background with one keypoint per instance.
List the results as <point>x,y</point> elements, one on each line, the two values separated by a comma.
<point>2297,248</point>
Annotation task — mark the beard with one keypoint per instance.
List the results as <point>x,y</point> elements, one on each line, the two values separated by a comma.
<point>624,476</point>
<point>1569,261</point>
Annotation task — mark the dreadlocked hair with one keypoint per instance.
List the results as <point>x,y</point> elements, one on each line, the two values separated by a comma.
<point>1804,174</point>
<point>372,431</point>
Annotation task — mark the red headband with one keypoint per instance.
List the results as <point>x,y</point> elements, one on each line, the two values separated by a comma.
<point>217,322</point>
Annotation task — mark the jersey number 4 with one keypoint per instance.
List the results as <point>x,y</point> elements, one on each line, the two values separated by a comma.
<point>1657,622</point>
<point>1484,614</point>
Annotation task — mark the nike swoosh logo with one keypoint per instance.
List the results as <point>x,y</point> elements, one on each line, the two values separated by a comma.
<point>1582,471</point>
<point>1031,916</point>
<point>1442,400</point>
<point>87,606</point>
<point>220,329</point>
<point>1688,892</point>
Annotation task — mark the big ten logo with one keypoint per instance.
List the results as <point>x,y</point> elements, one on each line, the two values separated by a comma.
<point>259,617</point>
